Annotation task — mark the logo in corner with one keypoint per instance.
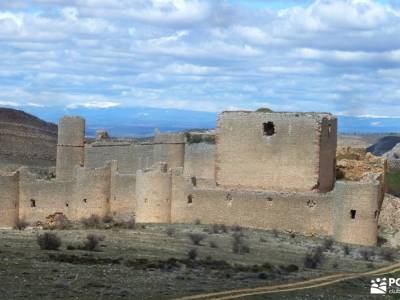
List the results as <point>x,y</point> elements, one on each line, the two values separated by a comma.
<point>378,286</point>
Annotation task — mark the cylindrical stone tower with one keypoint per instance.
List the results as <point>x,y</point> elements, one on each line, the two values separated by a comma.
<point>169,148</point>
<point>70,147</point>
<point>153,195</point>
<point>9,199</point>
<point>356,211</point>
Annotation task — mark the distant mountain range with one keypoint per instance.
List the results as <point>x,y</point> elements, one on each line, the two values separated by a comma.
<point>141,121</point>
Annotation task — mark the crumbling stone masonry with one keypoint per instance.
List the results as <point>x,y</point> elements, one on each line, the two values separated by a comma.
<point>260,170</point>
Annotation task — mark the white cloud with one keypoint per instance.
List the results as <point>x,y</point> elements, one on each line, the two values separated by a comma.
<point>93,105</point>
<point>376,124</point>
<point>330,55</point>
<point>9,103</point>
<point>182,69</point>
<point>33,104</point>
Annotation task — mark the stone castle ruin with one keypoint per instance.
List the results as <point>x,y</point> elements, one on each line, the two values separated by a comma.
<point>260,169</point>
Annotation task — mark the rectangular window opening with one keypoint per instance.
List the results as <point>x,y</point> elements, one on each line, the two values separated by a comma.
<point>268,128</point>
<point>353,213</point>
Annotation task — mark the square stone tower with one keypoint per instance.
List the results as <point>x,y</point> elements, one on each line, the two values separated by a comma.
<point>279,151</point>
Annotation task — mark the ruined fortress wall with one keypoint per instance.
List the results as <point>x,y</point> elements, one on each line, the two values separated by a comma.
<point>327,147</point>
<point>393,165</point>
<point>96,155</point>
<point>27,143</point>
<point>356,212</point>
<point>144,156</point>
<point>67,159</point>
<point>70,152</point>
<point>153,195</point>
<point>286,160</point>
<point>91,192</point>
<point>123,196</point>
<point>130,157</point>
<point>9,198</point>
<point>300,212</point>
<point>40,198</point>
<point>169,148</point>
<point>199,160</point>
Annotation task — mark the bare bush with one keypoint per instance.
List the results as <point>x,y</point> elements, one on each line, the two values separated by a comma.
<point>91,222</point>
<point>49,241</point>
<point>237,228</point>
<point>239,245</point>
<point>21,224</point>
<point>314,258</point>
<point>197,222</point>
<point>71,247</point>
<point>328,244</point>
<point>170,231</point>
<point>107,219</point>
<point>129,224</point>
<point>388,254</point>
<point>192,254</point>
<point>275,233</point>
<point>218,228</point>
<point>367,253</point>
<point>346,249</point>
<point>213,244</point>
<point>92,242</point>
<point>196,238</point>
<point>61,222</point>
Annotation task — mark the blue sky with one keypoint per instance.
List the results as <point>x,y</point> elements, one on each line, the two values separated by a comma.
<point>341,56</point>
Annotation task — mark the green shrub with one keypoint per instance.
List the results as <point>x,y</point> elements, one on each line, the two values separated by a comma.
<point>199,138</point>
<point>264,109</point>
<point>393,182</point>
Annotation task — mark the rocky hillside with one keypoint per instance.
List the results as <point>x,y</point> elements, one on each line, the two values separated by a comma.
<point>26,139</point>
<point>354,163</point>
<point>384,145</point>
